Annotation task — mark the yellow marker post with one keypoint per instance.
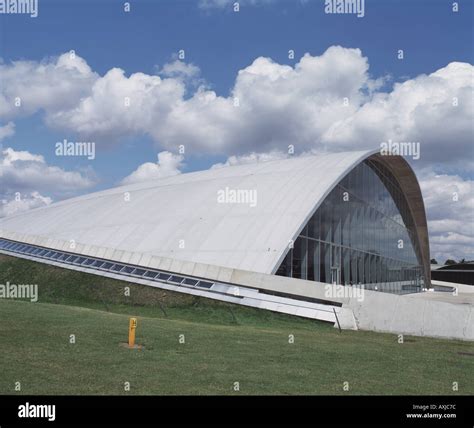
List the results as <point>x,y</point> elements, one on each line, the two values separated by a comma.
<point>131,332</point>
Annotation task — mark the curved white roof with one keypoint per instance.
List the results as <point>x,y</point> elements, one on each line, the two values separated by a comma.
<point>180,217</point>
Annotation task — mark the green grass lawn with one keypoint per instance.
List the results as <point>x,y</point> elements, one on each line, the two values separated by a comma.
<point>223,344</point>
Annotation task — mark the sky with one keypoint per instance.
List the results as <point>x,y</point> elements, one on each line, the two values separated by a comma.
<point>173,86</point>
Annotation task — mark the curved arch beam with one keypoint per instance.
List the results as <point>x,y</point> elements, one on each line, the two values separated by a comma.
<point>406,177</point>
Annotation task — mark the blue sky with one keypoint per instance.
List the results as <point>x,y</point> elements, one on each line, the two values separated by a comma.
<point>221,42</point>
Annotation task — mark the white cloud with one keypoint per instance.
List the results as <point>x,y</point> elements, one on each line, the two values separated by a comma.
<point>11,156</point>
<point>278,105</point>
<point>23,203</point>
<point>435,110</point>
<point>179,68</point>
<point>252,158</point>
<point>168,164</point>
<point>7,130</point>
<point>25,178</point>
<point>120,105</point>
<point>50,85</point>
<point>221,4</point>
<point>449,203</point>
<point>24,172</point>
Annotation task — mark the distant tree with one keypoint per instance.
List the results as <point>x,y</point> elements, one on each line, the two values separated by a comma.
<point>433,262</point>
<point>463,260</point>
<point>450,262</point>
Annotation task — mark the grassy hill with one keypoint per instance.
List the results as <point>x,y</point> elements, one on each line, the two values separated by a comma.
<point>224,344</point>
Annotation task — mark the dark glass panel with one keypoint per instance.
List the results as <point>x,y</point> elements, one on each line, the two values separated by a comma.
<point>205,284</point>
<point>326,220</point>
<point>361,279</point>
<point>175,278</point>
<point>311,250</point>
<point>313,225</point>
<point>150,274</point>
<point>345,218</point>
<point>345,272</point>
<point>285,266</point>
<point>325,261</point>
<point>300,258</point>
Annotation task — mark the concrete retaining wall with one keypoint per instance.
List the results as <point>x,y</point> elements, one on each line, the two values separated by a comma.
<point>415,316</point>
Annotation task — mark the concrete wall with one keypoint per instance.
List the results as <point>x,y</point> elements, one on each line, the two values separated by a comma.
<point>416,316</point>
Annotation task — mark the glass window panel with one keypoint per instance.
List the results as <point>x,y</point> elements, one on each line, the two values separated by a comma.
<point>285,266</point>
<point>354,224</point>
<point>367,277</point>
<point>304,231</point>
<point>345,182</point>
<point>373,268</point>
<point>365,183</point>
<point>324,251</point>
<point>336,215</point>
<point>354,266</point>
<point>311,249</point>
<point>361,279</point>
<point>151,274</point>
<point>313,225</point>
<point>345,219</point>
<point>326,221</point>
<point>346,266</point>
<point>300,258</point>
<point>205,284</point>
<point>317,261</point>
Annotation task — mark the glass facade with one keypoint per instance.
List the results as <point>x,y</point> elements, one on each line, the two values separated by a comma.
<point>361,234</point>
